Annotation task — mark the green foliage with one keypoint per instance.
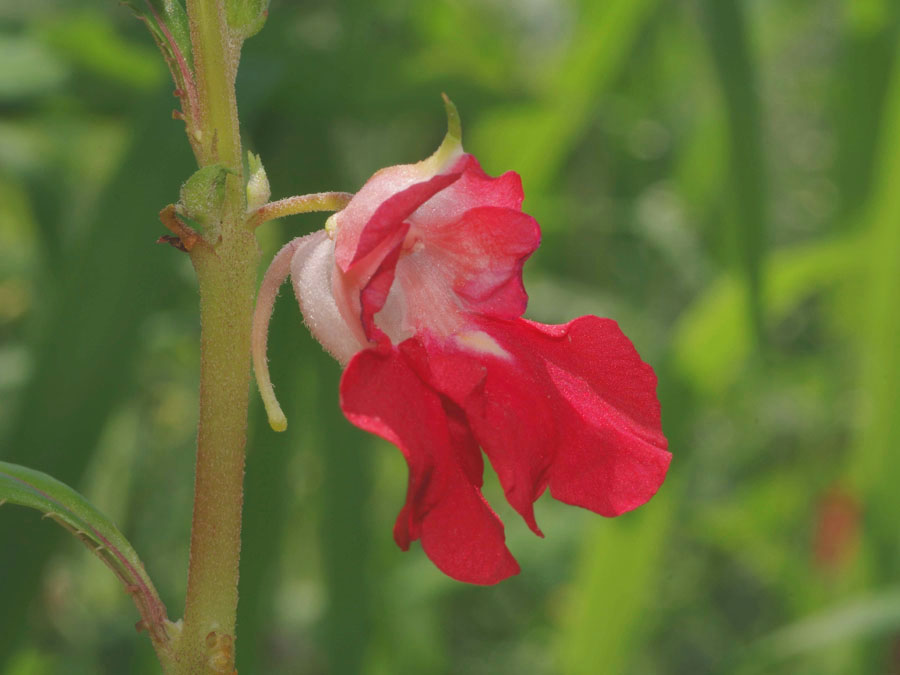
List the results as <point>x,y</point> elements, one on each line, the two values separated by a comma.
<point>537,136</point>
<point>57,501</point>
<point>873,469</point>
<point>860,618</point>
<point>735,65</point>
<point>714,339</point>
<point>620,564</point>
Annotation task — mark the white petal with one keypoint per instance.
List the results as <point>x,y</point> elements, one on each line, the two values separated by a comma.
<point>311,269</point>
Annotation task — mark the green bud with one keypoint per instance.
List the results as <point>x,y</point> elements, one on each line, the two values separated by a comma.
<point>246,17</point>
<point>203,194</point>
<point>258,191</point>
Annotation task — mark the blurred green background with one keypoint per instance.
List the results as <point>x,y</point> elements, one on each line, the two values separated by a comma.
<point>718,176</point>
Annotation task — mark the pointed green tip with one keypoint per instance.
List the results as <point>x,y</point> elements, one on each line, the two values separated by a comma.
<point>253,162</point>
<point>451,147</point>
<point>454,125</point>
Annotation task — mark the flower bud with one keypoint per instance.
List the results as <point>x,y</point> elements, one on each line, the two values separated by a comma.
<point>258,191</point>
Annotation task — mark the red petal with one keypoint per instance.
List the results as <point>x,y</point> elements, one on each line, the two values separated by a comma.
<point>615,456</point>
<point>444,507</point>
<point>571,406</point>
<point>485,250</point>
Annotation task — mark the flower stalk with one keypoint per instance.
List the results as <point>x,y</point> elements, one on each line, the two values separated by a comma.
<point>290,206</point>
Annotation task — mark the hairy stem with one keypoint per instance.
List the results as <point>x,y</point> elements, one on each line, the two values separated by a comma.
<point>215,67</point>
<point>320,201</point>
<point>226,272</point>
<point>227,284</point>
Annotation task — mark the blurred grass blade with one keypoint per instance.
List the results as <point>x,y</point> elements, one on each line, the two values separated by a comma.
<point>874,469</point>
<point>345,529</point>
<point>613,589</point>
<point>536,138</point>
<point>865,617</point>
<point>713,338</point>
<point>268,486</point>
<point>869,39</point>
<point>867,16</point>
<point>56,500</point>
<point>29,69</point>
<point>728,40</point>
<point>90,42</point>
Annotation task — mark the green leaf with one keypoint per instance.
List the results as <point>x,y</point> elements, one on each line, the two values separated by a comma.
<point>59,502</point>
<point>168,23</point>
<point>246,17</point>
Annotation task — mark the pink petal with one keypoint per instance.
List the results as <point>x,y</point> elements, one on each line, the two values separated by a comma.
<point>571,406</point>
<point>356,240</point>
<point>472,265</point>
<point>444,507</point>
<point>473,189</point>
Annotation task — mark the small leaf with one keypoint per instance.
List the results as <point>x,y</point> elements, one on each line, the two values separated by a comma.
<point>62,504</point>
<point>175,19</point>
<point>168,23</point>
<point>246,17</point>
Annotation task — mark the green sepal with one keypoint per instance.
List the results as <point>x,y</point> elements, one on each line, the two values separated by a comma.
<point>246,17</point>
<point>451,147</point>
<point>203,195</point>
<point>454,124</point>
<point>57,501</point>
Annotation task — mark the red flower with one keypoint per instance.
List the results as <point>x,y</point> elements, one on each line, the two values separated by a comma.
<point>416,286</point>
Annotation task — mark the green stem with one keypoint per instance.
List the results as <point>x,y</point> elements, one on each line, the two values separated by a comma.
<point>215,67</point>
<point>226,272</point>
<point>227,284</point>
